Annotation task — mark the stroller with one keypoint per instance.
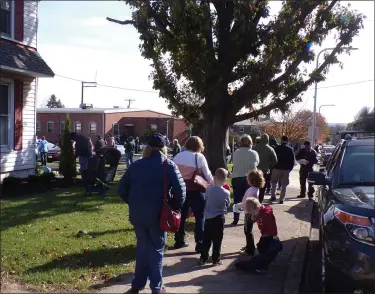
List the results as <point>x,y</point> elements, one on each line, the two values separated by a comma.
<point>97,176</point>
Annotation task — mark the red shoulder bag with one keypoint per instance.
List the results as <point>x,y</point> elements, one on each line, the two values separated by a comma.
<point>170,219</point>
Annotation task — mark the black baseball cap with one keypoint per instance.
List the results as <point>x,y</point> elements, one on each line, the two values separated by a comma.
<point>307,143</point>
<point>284,138</point>
<point>156,140</point>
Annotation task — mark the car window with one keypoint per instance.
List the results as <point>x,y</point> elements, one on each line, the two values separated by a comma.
<point>332,161</point>
<point>357,165</point>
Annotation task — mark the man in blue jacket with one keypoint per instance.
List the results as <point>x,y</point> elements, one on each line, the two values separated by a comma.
<point>142,187</point>
<point>283,167</point>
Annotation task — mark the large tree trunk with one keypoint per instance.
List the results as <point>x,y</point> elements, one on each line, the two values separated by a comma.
<point>213,133</point>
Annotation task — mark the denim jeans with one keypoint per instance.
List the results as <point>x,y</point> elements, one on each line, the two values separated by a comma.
<point>43,158</point>
<point>196,201</point>
<point>268,249</point>
<point>83,162</point>
<point>149,258</point>
<point>213,234</point>
<point>240,185</point>
<point>129,158</point>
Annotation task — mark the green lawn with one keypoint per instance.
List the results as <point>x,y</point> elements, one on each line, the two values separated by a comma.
<point>39,243</point>
<point>40,246</point>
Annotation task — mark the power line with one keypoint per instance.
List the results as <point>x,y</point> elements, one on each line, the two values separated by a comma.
<point>149,91</point>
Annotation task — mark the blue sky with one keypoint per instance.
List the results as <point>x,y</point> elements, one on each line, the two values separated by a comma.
<point>76,41</point>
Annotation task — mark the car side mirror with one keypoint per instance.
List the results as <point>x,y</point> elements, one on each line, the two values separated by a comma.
<point>317,178</point>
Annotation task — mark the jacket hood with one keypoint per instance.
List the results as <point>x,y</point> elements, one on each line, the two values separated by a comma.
<point>264,139</point>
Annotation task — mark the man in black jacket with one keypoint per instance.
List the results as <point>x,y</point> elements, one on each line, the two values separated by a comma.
<point>82,149</point>
<point>306,157</point>
<point>281,170</point>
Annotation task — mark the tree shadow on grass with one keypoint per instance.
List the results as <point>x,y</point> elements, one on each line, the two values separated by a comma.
<point>24,210</point>
<point>89,259</point>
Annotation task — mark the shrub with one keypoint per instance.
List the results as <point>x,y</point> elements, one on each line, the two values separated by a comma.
<point>11,182</point>
<point>67,166</point>
<point>47,177</point>
<point>33,179</point>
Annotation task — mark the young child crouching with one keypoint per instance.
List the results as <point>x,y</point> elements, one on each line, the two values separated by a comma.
<point>256,180</point>
<point>217,203</point>
<point>269,244</point>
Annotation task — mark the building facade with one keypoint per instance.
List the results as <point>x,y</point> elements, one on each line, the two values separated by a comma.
<point>20,67</point>
<point>104,121</point>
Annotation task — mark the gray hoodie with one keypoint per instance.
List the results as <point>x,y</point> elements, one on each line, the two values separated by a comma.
<point>267,155</point>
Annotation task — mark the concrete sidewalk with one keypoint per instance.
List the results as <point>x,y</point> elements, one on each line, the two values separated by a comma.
<point>182,274</point>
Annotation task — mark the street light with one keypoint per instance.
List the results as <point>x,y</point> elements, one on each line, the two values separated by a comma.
<point>325,105</point>
<point>316,91</point>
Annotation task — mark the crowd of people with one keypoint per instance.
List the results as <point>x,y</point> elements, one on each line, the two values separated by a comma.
<point>256,171</point>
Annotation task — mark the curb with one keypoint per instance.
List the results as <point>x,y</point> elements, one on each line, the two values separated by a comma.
<point>294,275</point>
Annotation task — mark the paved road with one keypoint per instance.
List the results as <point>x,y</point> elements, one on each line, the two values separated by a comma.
<point>183,275</point>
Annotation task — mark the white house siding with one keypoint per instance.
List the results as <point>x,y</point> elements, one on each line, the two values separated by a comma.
<point>22,163</point>
<point>30,23</point>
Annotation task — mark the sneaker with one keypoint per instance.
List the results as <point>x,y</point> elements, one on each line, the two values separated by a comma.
<point>272,199</point>
<point>217,262</point>
<point>301,196</point>
<point>281,202</point>
<point>180,245</point>
<point>202,261</point>
<point>234,223</point>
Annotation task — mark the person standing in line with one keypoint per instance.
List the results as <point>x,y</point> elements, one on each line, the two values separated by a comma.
<point>306,157</point>
<point>110,141</point>
<point>217,203</point>
<point>43,150</point>
<point>99,146</point>
<point>273,144</point>
<point>83,149</point>
<point>280,173</point>
<point>190,163</point>
<point>136,143</point>
<point>267,160</point>
<point>129,151</point>
<point>176,148</point>
<point>244,160</point>
<point>142,188</point>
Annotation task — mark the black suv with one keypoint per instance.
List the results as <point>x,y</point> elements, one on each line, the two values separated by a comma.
<point>347,216</point>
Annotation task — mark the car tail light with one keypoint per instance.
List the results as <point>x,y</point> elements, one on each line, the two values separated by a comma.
<point>359,228</point>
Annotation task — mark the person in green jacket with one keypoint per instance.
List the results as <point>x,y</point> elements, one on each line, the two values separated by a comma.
<point>267,160</point>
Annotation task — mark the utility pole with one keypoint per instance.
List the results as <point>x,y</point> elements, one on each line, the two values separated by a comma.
<point>86,85</point>
<point>129,102</point>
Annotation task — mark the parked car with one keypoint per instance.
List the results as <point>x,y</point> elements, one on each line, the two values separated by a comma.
<point>53,154</point>
<point>347,217</point>
<point>326,153</point>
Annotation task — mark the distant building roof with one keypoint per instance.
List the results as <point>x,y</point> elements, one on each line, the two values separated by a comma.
<point>130,111</point>
<point>250,122</point>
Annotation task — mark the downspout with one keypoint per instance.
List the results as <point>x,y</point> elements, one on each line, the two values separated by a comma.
<point>104,126</point>
<point>34,139</point>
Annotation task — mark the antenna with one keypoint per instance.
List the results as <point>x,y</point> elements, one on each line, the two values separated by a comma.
<point>129,102</point>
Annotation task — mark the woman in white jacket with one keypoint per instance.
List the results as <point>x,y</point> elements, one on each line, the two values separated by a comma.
<point>190,163</point>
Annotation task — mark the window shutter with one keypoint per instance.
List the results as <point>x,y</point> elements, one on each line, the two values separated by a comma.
<point>18,109</point>
<point>18,20</point>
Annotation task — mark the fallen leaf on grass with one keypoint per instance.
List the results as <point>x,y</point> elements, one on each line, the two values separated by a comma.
<point>86,250</point>
<point>12,272</point>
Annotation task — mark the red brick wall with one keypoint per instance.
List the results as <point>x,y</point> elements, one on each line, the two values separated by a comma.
<point>85,120</point>
<point>180,129</point>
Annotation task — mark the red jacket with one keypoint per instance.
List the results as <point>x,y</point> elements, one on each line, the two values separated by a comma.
<point>266,221</point>
<point>226,186</point>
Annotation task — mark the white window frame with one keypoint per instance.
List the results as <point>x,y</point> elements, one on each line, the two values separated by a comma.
<point>53,127</point>
<point>113,129</point>
<point>75,127</point>
<point>36,127</point>
<point>12,20</point>
<point>62,122</point>
<point>10,146</point>
<point>96,128</point>
<point>154,127</point>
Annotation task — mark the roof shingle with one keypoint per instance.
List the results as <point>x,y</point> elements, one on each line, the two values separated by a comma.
<point>21,58</point>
